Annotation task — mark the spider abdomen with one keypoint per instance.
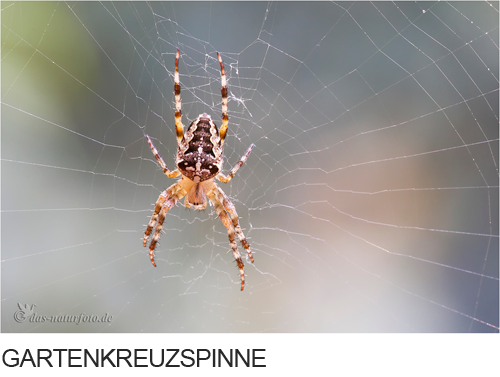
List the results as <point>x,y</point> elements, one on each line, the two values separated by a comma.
<point>201,142</point>
<point>199,156</point>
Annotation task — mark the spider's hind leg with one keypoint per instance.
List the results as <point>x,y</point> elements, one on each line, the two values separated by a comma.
<point>225,118</point>
<point>179,128</point>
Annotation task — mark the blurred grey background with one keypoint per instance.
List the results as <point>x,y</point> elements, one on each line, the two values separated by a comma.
<point>370,200</point>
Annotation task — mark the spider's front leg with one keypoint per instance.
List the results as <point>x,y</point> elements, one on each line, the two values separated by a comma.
<point>231,210</point>
<point>219,208</point>
<point>166,200</point>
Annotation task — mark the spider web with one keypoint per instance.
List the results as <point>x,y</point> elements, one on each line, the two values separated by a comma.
<point>370,200</point>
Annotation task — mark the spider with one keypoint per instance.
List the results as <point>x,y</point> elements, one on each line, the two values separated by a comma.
<point>199,161</point>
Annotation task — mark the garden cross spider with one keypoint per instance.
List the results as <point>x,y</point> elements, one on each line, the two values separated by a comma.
<point>199,161</point>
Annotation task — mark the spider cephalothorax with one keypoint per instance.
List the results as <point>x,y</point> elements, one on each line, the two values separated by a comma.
<point>199,162</point>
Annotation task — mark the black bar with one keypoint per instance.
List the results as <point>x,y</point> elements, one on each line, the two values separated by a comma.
<point>133,358</point>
